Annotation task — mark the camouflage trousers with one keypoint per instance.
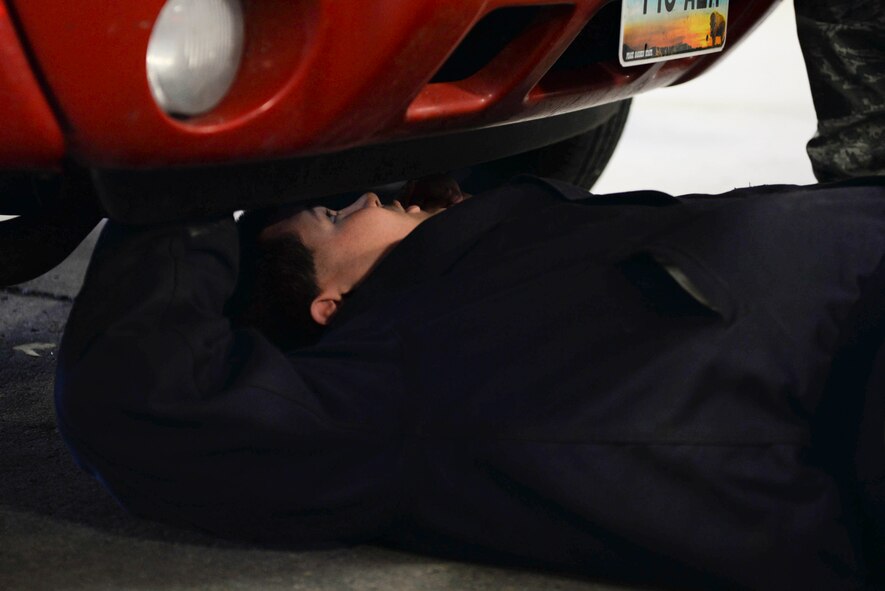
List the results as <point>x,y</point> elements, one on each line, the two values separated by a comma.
<point>843,43</point>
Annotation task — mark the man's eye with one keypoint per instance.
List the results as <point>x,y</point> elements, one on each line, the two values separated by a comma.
<point>332,215</point>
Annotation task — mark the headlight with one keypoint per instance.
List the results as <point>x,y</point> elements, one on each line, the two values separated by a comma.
<point>194,53</point>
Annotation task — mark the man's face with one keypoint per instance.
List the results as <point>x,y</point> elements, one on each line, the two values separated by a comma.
<point>347,244</point>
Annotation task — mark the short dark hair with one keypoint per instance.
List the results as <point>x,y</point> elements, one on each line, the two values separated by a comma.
<point>276,283</point>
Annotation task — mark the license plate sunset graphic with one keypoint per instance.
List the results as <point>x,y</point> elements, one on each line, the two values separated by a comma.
<point>657,30</point>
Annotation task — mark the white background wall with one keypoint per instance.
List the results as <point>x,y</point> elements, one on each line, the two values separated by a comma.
<point>745,122</point>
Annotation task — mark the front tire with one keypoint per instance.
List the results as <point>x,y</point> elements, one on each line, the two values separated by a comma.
<point>578,160</point>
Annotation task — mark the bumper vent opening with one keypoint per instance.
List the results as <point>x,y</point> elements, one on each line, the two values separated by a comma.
<point>485,41</point>
<point>597,42</point>
<point>590,63</point>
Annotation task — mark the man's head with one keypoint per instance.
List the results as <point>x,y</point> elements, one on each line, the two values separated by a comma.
<point>297,267</point>
<point>346,244</point>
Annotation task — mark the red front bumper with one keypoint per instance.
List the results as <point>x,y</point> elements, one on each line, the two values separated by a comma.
<point>29,134</point>
<point>318,76</point>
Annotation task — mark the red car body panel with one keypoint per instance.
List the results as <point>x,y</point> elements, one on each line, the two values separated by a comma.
<point>29,134</point>
<point>317,76</point>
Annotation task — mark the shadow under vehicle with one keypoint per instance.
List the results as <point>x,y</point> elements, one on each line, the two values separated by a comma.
<point>163,110</point>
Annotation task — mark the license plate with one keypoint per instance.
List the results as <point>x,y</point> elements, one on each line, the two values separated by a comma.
<point>658,30</point>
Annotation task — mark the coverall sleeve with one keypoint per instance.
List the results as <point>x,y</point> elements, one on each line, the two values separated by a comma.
<point>844,55</point>
<point>186,420</point>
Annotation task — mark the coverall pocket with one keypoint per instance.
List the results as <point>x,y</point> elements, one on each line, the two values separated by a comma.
<point>675,287</point>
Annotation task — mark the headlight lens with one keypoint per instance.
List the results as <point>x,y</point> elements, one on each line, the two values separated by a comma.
<point>194,53</point>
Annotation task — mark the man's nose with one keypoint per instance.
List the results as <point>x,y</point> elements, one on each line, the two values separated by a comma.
<point>366,200</point>
<point>370,200</point>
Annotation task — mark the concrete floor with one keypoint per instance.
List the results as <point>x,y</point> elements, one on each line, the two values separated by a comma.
<point>59,530</point>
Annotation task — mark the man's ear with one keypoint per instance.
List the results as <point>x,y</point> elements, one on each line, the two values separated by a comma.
<point>324,306</point>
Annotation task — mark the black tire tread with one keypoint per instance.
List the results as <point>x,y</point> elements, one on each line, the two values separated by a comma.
<point>580,160</point>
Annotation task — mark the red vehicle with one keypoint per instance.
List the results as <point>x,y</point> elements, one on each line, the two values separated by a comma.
<point>160,110</point>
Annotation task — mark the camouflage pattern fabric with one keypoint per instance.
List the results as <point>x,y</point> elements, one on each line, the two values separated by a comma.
<point>843,43</point>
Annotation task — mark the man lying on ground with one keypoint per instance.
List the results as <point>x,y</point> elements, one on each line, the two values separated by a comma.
<point>685,391</point>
